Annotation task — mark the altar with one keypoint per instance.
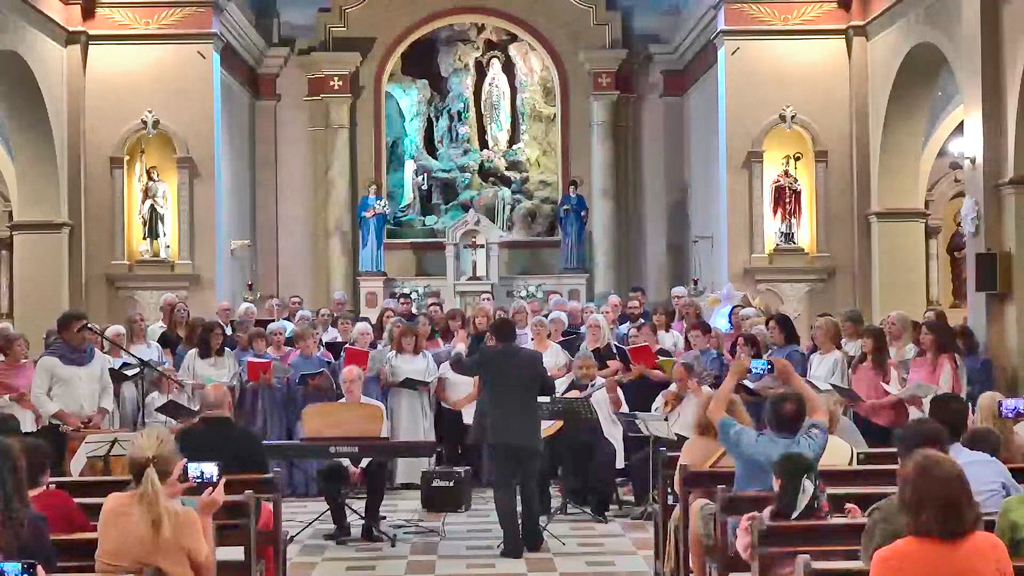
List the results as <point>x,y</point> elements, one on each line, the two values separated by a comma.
<point>475,257</point>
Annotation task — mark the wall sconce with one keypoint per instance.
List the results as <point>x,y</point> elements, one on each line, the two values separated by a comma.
<point>236,244</point>
<point>958,148</point>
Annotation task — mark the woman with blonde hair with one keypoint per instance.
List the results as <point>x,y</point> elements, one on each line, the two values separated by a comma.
<point>828,364</point>
<point>519,312</point>
<point>987,414</point>
<point>597,339</point>
<point>556,360</point>
<point>165,535</point>
<point>899,331</point>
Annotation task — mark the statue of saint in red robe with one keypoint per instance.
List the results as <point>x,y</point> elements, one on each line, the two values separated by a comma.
<point>786,204</point>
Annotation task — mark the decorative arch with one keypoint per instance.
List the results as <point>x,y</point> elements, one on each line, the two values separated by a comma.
<point>756,158</point>
<point>951,118</point>
<point>456,15</point>
<point>902,143</point>
<point>181,188</point>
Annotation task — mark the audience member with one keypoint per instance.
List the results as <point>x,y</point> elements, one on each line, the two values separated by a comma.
<point>988,415</point>
<point>63,515</point>
<point>165,534</point>
<point>16,374</point>
<point>24,534</point>
<point>943,521</point>
<point>989,479</point>
<point>983,439</point>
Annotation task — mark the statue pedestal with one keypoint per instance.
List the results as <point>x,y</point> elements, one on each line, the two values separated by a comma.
<point>789,275</point>
<point>371,295</point>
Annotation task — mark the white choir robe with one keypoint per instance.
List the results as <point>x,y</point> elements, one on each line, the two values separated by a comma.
<point>610,424</point>
<point>411,412</point>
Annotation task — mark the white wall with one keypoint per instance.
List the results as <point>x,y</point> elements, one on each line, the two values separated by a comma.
<point>235,188</point>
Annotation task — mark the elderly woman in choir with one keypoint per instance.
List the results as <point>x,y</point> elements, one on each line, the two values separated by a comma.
<point>16,372</point>
<point>557,323</point>
<point>899,331</point>
<point>246,311</point>
<point>303,318</point>
<point>276,335</point>
<point>828,364</point>
<point>410,405</point>
<point>519,312</point>
<point>556,361</point>
<point>589,309</point>
<point>598,340</point>
<point>851,322</point>
<point>362,338</point>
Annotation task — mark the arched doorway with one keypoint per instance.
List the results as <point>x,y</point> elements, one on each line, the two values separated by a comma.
<point>920,116</point>
<point>32,223</point>
<point>435,154</point>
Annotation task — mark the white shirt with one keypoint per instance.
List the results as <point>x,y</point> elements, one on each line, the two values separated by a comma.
<point>555,356</point>
<point>905,353</point>
<point>155,400</point>
<point>79,391</point>
<point>331,335</point>
<point>226,327</point>
<point>683,418</point>
<point>150,351</point>
<point>829,368</point>
<point>213,370</point>
<point>383,428</point>
<point>852,347</point>
<point>610,424</point>
<point>524,337</point>
<point>672,341</point>
<point>155,330</point>
<point>458,386</point>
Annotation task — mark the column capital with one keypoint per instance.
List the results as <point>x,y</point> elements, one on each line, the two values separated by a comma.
<point>329,74</point>
<point>274,61</point>
<point>40,226</point>
<point>898,215</point>
<point>603,67</point>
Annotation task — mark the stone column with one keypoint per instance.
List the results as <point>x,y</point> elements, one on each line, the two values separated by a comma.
<point>330,80</point>
<point>265,276</point>
<point>41,293</point>
<point>602,66</point>
<point>932,230</point>
<point>1012,224</point>
<point>899,284</point>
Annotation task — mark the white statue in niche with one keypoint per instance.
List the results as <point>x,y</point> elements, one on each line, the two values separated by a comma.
<point>497,103</point>
<point>152,208</point>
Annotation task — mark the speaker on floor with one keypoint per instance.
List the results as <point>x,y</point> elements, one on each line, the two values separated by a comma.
<point>446,489</point>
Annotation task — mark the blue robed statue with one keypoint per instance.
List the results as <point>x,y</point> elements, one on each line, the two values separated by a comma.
<point>572,221</point>
<point>373,215</point>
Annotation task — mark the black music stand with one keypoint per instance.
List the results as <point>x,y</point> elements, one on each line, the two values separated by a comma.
<point>651,426</point>
<point>573,412</point>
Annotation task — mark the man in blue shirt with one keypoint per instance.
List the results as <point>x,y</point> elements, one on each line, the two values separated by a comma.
<point>990,481</point>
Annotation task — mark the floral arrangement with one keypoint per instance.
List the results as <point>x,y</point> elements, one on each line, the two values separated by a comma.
<point>528,292</point>
<point>416,292</point>
<point>381,206</point>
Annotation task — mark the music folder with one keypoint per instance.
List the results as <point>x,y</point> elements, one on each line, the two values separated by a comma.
<point>305,378</point>
<point>176,411</point>
<point>642,355</point>
<point>355,356</point>
<point>118,376</point>
<point>570,342</point>
<point>412,384</point>
<point>335,349</point>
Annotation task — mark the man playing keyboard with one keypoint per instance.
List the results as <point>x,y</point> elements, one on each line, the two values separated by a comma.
<point>342,475</point>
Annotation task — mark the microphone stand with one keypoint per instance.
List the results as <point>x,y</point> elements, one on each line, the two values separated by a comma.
<point>143,364</point>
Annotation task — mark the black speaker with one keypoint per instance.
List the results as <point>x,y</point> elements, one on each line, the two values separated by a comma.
<point>446,489</point>
<point>992,272</point>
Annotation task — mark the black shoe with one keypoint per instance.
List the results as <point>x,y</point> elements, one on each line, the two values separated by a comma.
<point>370,536</point>
<point>602,517</point>
<point>508,553</point>
<point>533,549</point>
<point>339,533</point>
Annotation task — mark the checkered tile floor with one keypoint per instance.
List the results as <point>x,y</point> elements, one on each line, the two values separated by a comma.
<point>469,544</point>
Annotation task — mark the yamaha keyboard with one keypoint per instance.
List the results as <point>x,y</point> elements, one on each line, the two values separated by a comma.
<point>353,448</point>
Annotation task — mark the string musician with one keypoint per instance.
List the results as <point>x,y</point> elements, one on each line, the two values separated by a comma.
<point>590,453</point>
<point>71,387</point>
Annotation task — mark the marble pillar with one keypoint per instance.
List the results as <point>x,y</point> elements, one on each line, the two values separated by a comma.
<point>265,276</point>
<point>602,193</point>
<point>340,205</point>
<point>41,293</point>
<point>898,277</point>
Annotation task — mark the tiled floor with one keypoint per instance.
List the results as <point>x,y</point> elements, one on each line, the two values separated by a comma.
<point>469,544</point>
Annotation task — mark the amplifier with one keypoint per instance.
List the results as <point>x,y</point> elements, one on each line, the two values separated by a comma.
<point>446,489</point>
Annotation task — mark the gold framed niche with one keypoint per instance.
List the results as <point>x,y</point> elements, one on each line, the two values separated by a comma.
<point>161,152</point>
<point>779,143</point>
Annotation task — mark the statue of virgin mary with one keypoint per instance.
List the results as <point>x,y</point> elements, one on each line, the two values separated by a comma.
<point>497,104</point>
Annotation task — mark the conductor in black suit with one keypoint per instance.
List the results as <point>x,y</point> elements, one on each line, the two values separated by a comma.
<point>511,379</point>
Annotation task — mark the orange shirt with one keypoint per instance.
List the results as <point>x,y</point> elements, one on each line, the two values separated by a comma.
<point>977,554</point>
<point>127,542</point>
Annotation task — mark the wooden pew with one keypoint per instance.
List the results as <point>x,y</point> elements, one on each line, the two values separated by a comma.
<point>264,486</point>
<point>234,526</point>
<point>877,457</point>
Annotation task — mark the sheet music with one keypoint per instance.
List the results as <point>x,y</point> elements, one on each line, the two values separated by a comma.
<point>656,428</point>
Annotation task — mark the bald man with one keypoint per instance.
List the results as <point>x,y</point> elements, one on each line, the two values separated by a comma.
<point>215,437</point>
<point>337,478</point>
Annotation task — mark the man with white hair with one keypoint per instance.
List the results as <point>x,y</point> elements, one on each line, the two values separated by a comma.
<point>558,304</point>
<point>167,303</point>
<point>339,305</point>
<point>224,316</point>
<point>337,478</point>
<point>574,312</point>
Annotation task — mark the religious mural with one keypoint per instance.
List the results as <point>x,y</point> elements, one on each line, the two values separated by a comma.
<point>471,123</point>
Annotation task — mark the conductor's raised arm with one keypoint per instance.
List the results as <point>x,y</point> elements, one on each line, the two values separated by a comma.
<point>459,362</point>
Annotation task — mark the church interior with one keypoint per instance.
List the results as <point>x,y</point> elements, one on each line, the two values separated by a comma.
<point>816,156</point>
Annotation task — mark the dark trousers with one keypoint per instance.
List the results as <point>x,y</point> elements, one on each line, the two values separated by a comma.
<point>58,441</point>
<point>640,473</point>
<point>453,434</point>
<point>589,471</point>
<point>517,467</point>
<point>335,486</point>
<point>553,457</point>
<point>875,435</point>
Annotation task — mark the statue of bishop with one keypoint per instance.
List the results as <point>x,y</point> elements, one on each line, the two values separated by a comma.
<point>786,202</point>
<point>152,208</point>
<point>497,105</point>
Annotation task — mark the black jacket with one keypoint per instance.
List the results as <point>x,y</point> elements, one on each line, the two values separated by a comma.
<point>511,379</point>
<point>220,439</point>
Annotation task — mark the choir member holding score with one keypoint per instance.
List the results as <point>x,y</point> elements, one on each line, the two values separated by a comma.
<point>411,410</point>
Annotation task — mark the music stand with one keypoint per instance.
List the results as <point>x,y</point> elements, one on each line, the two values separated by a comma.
<point>103,446</point>
<point>573,412</point>
<point>651,426</point>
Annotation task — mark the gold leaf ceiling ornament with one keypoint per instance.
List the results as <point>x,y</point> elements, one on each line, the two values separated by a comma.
<point>163,19</point>
<point>770,16</point>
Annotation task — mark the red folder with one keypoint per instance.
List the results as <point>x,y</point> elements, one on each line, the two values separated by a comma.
<point>256,368</point>
<point>355,356</point>
<point>642,355</point>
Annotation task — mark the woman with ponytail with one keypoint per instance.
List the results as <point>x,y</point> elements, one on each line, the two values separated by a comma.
<point>166,535</point>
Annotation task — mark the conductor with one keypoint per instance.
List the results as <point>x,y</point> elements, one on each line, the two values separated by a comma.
<point>511,379</point>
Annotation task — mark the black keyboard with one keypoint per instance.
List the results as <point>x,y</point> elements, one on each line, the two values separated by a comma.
<point>347,448</point>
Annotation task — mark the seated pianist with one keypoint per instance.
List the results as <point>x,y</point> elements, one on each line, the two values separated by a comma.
<point>342,475</point>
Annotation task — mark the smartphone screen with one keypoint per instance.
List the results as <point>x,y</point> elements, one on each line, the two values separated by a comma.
<point>762,367</point>
<point>1011,408</point>
<point>202,472</point>
<point>26,568</point>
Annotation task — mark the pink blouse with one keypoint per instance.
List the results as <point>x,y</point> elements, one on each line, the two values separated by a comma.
<point>943,374</point>
<point>15,379</point>
<point>879,406</point>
